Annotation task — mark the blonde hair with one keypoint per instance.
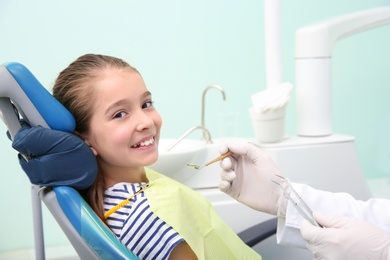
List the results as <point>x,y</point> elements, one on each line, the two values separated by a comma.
<point>74,88</point>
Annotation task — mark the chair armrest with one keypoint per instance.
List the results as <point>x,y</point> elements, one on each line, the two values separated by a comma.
<point>254,235</point>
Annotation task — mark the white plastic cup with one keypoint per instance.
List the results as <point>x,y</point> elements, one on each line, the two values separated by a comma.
<point>268,126</point>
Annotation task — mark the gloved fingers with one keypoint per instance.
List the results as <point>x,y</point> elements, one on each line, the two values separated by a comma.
<point>248,149</point>
<point>316,240</point>
<point>256,154</point>
<point>226,163</point>
<point>309,232</point>
<point>223,148</point>
<point>236,148</point>
<point>330,221</point>
<point>226,182</point>
<point>245,149</point>
<point>228,176</point>
<point>224,186</point>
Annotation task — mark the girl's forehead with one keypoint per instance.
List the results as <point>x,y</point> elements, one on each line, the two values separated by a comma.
<point>110,72</point>
<point>119,85</point>
<point>112,79</point>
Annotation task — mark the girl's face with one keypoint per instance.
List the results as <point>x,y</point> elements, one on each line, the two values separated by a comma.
<point>125,126</point>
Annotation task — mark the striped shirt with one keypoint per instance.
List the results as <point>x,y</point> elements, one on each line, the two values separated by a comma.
<point>136,226</point>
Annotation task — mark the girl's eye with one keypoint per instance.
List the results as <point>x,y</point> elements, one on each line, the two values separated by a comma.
<point>147,104</point>
<point>120,114</point>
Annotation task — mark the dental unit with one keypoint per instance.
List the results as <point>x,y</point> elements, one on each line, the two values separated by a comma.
<point>315,143</point>
<point>315,156</point>
<point>313,52</point>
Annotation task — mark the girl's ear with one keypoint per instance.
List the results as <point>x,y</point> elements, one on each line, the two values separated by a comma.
<point>93,149</point>
<point>87,142</point>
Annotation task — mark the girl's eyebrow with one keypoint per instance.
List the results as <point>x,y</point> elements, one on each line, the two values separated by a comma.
<point>123,102</point>
<point>146,94</point>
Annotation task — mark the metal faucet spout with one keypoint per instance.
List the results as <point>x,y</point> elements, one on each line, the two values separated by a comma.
<point>189,131</point>
<point>204,104</point>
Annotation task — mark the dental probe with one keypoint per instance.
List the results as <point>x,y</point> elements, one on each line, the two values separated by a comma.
<point>297,201</point>
<point>219,158</point>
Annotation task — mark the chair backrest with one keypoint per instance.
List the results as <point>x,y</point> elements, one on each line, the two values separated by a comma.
<point>22,94</point>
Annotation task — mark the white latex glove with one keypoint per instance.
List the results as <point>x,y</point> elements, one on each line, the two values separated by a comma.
<point>247,176</point>
<point>345,238</point>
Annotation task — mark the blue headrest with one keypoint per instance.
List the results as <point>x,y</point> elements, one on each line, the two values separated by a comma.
<point>55,156</point>
<point>34,100</point>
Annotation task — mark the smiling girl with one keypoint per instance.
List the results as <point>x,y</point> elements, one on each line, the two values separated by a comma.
<point>153,215</point>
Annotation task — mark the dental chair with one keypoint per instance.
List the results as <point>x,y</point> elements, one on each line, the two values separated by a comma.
<point>21,95</point>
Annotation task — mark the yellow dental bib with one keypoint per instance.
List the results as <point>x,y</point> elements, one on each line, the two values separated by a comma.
<point>195,219</point>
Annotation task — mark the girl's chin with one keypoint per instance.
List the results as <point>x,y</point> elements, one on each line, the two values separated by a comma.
<point>152,160</point>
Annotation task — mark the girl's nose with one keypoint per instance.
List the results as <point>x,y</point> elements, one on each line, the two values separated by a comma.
<point>145,121</point>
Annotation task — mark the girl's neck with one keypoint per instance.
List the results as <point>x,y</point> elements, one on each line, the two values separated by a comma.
<point>130,175</point>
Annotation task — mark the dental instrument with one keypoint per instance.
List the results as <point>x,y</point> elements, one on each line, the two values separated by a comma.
<point>219,158</point>
<point>293,196</point>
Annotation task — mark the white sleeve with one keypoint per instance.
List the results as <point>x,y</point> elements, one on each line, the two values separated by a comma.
<point>375,211</point>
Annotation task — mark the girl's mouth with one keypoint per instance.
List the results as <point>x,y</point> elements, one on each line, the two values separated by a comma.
<point>144,143</point>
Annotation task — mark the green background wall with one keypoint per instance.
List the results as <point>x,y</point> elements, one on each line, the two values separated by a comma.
<point>180,47</point>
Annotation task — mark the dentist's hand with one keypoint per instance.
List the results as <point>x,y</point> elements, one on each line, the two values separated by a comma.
<point>345,238</point>
<point>247,176</point>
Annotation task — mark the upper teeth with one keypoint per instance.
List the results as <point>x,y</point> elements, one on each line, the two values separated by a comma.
<point>147,142</point>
